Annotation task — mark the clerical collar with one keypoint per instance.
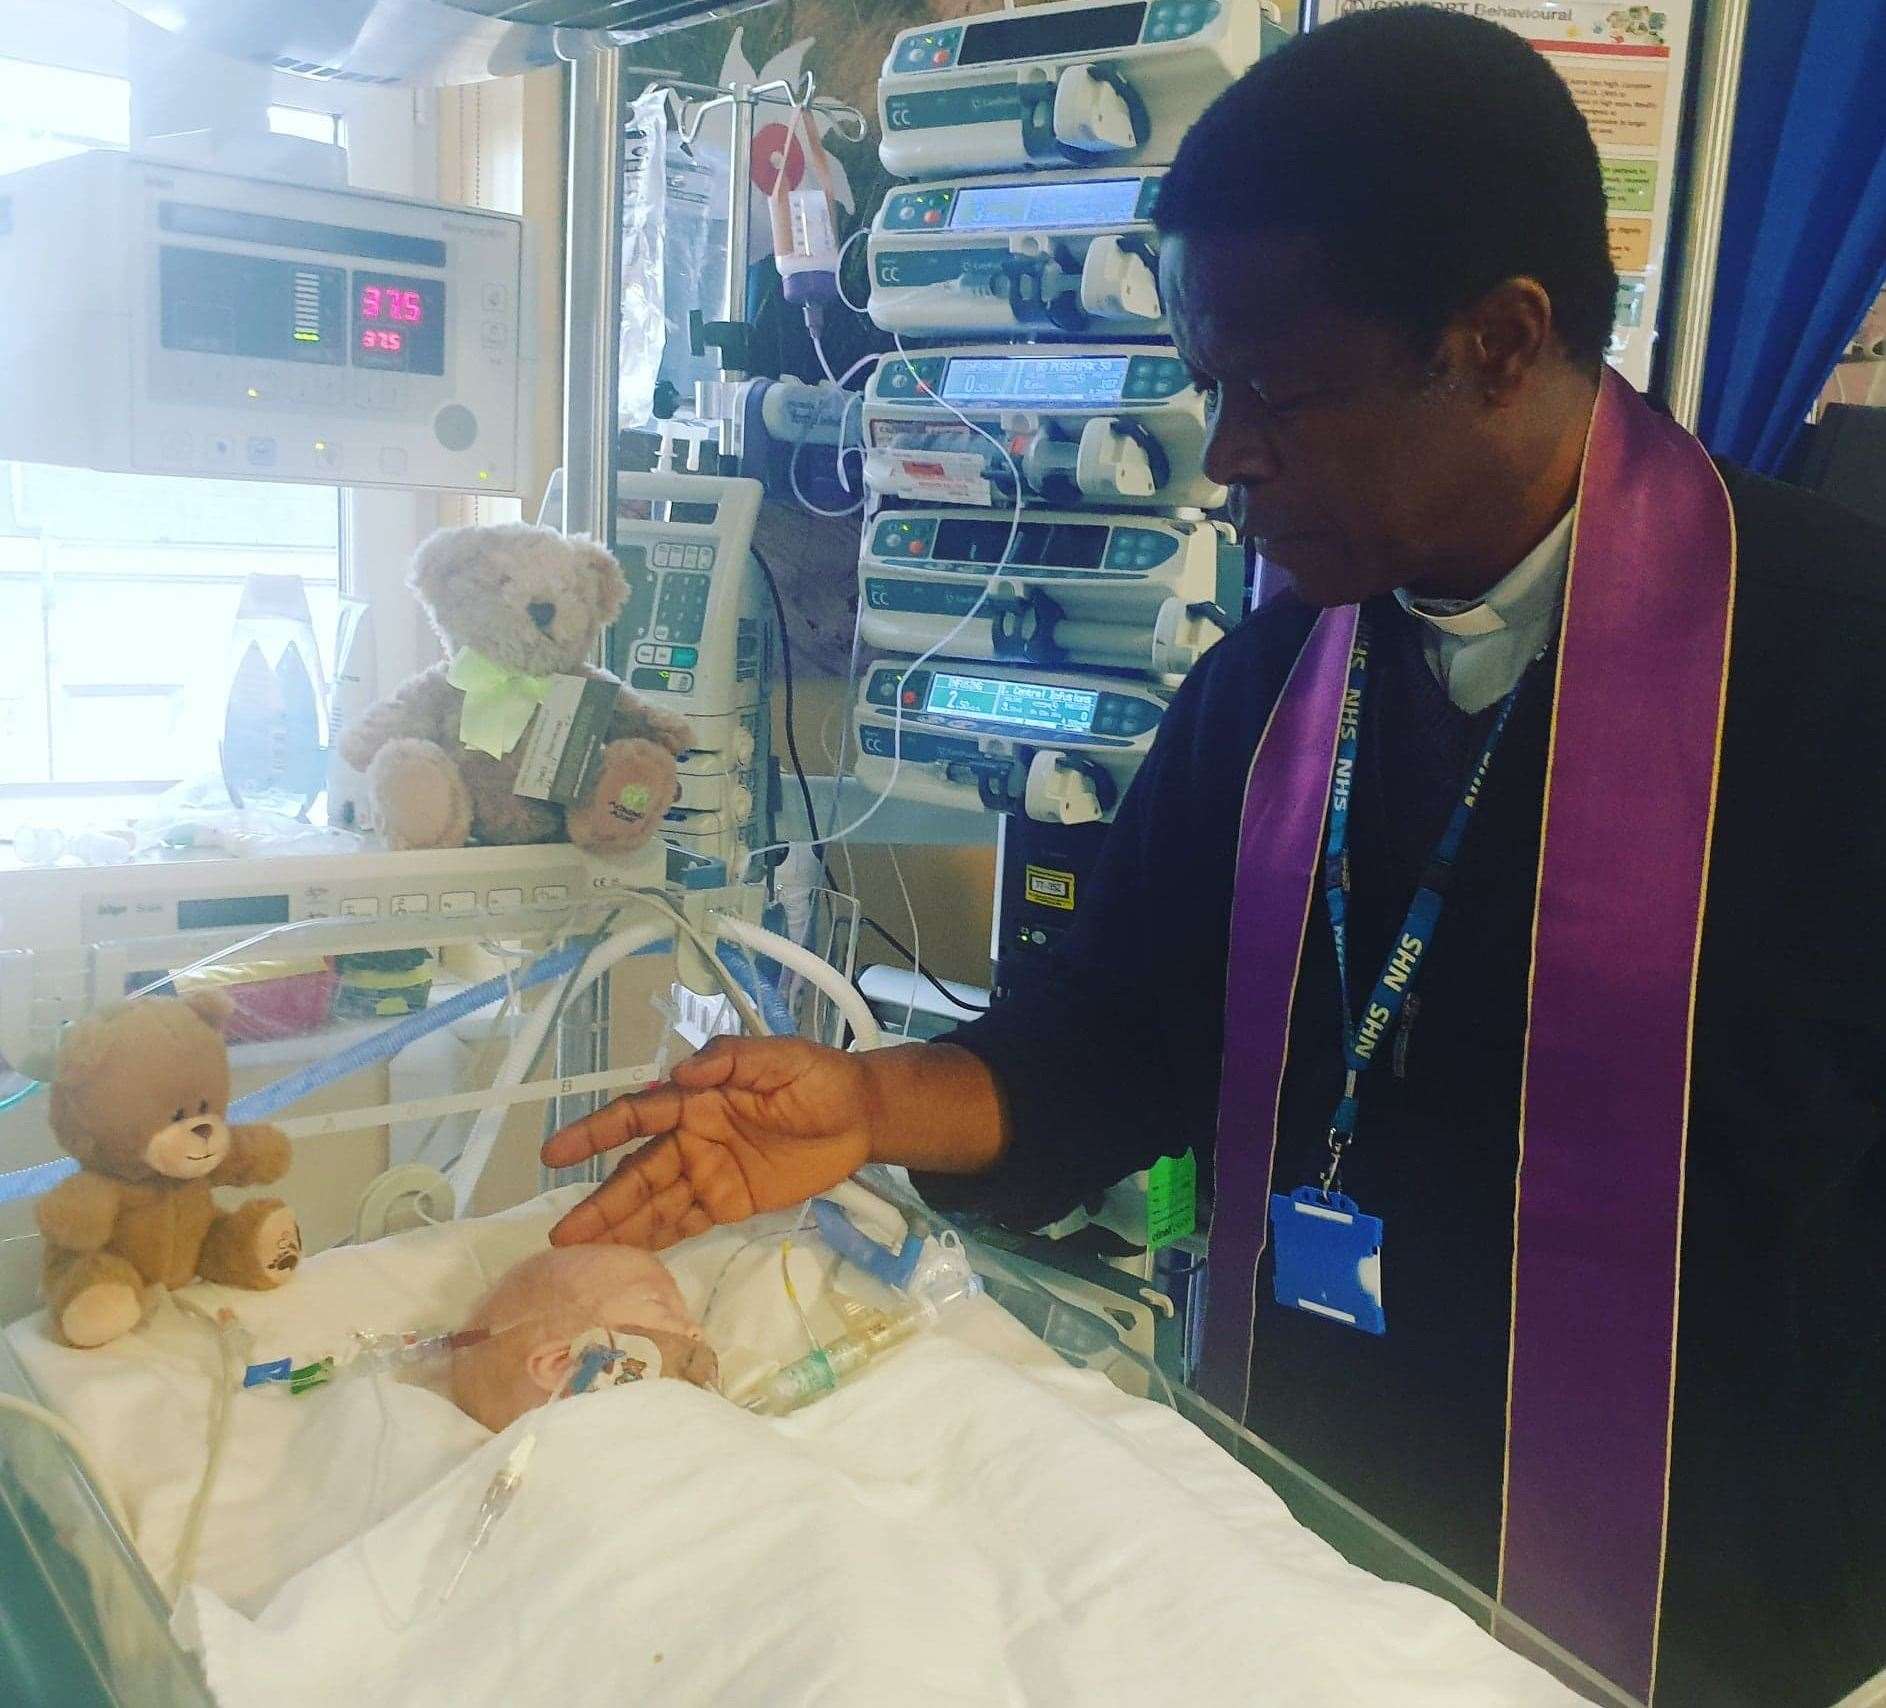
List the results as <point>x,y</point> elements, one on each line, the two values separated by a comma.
<point>1527,593</point>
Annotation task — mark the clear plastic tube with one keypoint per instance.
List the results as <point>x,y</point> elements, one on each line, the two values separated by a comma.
<point>872,1334</point>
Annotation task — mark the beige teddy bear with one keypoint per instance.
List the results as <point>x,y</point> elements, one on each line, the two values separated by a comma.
<point>140,1096</point>
<point>513,605</point>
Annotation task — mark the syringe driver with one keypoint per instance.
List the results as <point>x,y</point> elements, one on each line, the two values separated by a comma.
<point>1045,253</point>
<point>1081,83</point>
<point>1061,748</point>
<point>1131,592</point>
<point>1119,423</point>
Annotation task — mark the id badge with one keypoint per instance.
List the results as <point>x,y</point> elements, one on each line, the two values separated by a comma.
<point>1328,1258</point>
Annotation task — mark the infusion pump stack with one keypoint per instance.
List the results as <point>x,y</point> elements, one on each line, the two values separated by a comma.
<point>1043,559</point>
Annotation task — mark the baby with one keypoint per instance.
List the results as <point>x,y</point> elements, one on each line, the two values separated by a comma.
<point>572,1315</point>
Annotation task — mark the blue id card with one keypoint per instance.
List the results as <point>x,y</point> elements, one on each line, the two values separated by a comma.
<point>1328,1258</point>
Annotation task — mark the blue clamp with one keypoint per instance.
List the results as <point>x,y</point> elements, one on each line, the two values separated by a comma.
<point>259,1375</point>
<point>595,1360</point>
<point>894,1269</point>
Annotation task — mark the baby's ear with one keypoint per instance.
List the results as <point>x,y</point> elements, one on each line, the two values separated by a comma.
<point>547,1364</point>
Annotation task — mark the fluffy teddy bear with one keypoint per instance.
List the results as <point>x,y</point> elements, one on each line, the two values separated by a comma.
<point>140,1096</point>
<point>513,606</point>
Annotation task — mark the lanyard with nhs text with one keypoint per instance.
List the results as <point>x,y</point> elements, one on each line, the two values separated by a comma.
<point>1362,1038</point>
<point>1327,1254</point>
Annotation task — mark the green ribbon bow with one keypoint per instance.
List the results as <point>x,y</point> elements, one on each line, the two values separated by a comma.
<point>499,701</point>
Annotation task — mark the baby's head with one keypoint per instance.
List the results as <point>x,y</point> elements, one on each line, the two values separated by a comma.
<point>553,1298</point>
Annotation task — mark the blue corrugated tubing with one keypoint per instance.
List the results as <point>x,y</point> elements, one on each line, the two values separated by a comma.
<point>379,1047</point>
<point>763,991</point>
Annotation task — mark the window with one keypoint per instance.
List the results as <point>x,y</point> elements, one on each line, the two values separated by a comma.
<point>118,592</point>
<point>305,122</point>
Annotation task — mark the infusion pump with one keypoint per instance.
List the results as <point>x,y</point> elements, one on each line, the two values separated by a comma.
<point>1051,252</point>
<point>695,638</point>
<point>1082,83</point>
<point>163,319</point>
<point>1059,748</point>
<point>1073,588</point>
<point>1115,423</point>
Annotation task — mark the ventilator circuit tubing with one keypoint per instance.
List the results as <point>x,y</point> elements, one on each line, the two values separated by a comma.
<point>464,1174</point>
<point>797,958</point>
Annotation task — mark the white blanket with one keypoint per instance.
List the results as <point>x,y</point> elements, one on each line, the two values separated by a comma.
<point>970,1522</point>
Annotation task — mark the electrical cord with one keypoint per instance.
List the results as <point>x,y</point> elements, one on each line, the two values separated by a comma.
<point>785,664</point>
<point>956,1002</point>
<point>812,816</point>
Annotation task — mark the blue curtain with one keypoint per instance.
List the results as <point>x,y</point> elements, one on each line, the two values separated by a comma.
<point>1804,226</point>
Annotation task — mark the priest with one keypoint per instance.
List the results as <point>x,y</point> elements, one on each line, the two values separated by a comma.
<point>1498,916</point>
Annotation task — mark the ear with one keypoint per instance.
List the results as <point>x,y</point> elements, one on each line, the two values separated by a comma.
<point>608,588</point>
<point>433,563</point>
<point>547,1364</point>
<point>83,1047</point>
<point>211,1005</point>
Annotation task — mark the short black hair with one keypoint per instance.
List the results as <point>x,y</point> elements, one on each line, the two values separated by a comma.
<point>1429,155</point>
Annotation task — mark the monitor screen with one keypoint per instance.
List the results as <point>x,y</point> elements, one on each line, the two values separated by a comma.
<point>1057,545</point>
<point>215,303</point>
<point>1025,705</point>
<point>1018,36</point>
<point>1045,207</point>
<point>399,323</point>
<point>1075,380</point>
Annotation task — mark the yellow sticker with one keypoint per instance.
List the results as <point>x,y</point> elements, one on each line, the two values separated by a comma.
<point>1048,888</point>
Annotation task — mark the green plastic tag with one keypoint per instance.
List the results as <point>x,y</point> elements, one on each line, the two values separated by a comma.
<point>1171,1199</point>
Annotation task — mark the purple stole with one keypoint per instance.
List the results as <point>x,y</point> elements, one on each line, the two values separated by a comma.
<point>1623,869</point>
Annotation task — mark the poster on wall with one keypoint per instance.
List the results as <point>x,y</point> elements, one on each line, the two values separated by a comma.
<point>1624,66</point>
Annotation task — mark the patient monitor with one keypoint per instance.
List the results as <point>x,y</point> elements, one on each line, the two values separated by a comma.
<point>1121,424</point>
<point>162,319</point>
<point>1081,83</point>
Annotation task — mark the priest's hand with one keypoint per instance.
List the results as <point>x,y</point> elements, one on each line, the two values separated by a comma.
<point>747,1125</point>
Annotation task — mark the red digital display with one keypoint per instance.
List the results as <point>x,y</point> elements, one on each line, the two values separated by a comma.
<point>399,323</point>
<point>390,302</point>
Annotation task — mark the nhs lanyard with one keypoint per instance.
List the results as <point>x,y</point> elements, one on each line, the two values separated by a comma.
<point>1361,1040</point>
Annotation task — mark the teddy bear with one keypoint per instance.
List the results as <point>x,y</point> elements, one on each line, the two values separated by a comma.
<point>513,606</point>
<point>140,1097</point>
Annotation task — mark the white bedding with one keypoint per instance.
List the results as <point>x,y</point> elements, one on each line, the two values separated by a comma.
<point>970,1522</point>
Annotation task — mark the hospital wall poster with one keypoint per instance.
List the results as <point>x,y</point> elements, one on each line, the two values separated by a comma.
<point>1624,66</point>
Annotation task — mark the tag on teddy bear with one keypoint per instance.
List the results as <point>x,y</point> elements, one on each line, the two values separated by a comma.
<point>563,746</point>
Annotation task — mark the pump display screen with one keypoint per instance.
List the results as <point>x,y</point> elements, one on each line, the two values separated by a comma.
<point>1045,207</point>
<point>1074,380</point>
<point>1062,545</point>
<point>1022,37</point>
<point>399,323</point>
<point>216,303</point>
<point>1027,705</point>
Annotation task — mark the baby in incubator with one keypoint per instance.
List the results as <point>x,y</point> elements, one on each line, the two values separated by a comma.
<point>572,1318</point>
